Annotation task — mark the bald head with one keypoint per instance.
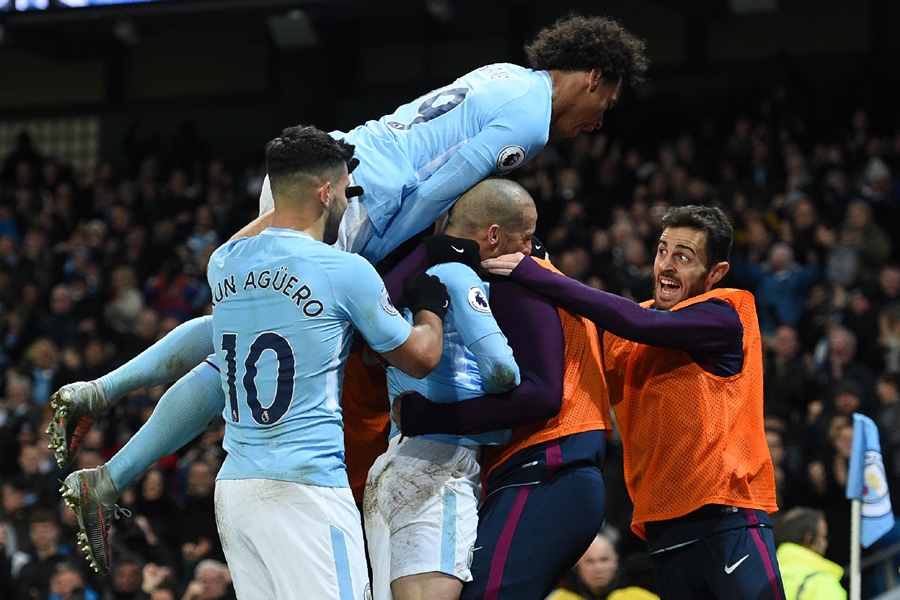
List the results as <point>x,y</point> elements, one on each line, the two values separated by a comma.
<point>498,214</point>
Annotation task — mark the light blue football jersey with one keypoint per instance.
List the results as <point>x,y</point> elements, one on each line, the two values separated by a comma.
<point>284,309</point>
<point>476,358</point>
<point>416,161</point>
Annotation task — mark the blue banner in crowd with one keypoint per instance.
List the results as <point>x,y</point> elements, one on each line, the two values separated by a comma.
<point>867,481</point>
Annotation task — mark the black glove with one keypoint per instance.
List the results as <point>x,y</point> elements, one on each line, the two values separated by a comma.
<point>353,190</point>
<point>426,292</point>
<point>538,249</point>
<point>442,248</point>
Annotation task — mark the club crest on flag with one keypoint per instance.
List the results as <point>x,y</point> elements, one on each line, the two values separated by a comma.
<point>876,502</point>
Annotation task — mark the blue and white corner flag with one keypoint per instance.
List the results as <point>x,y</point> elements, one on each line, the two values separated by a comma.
<point>867,481</point>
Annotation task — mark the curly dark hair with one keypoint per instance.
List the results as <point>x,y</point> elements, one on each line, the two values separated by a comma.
<point>578,43</point>
<point>305,149</point>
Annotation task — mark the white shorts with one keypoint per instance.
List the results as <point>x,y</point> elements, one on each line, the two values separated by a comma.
<point>421,511</point>
<point>289,540</point>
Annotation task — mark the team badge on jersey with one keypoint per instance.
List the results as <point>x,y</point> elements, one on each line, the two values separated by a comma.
<point>386,303</point>
<point>478,300</point>
<point>510,158</point>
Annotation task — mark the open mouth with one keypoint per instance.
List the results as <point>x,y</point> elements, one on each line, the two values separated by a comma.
<point>667,288</point>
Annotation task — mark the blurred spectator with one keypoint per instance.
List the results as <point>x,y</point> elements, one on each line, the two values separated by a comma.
<point>828,476</point>
<point>144,333</point>
<point>802,538</point>
<point>571,230</point>
<point>88,457</point>
<point>13,494</point>
<point>151,498</point>
<point>39,473</point>
<point>126,301</point>
<point>194,525</point>
<point>11,557</point>
<point>595,575</point>
<point>860,315</point>
<point>882,194</point>
<point>574,262</point>
<point>68,583</point>
<point>204,233</point>
<point>791,484</point>
<point>36,259</point>
<point>888,420</point>
<point>889,337</point>
<point>42,365</point>
<point>171,290</point>
<point>159,583</point>
<point>634,272</point>
<point>886,289</point>
<point>176,200</point>
<point>125,579</point>
<point>867,238</point>
<point>136,537</point>
<point>12,327</point>
<point>855,140</point>
<point>46,554</point>
<point>786,385</point>
<point>23,152</point>
<point>780,286</point>
<point>840,365</point>
<point>164,592</point>
<point>163,238</point>
<point>94,359</point>
<point>820,313</point>
<point>801,231</point>
<point>206,448</point>
<point>20,420</point>
<point>836,196</point>
<point>211,581</point>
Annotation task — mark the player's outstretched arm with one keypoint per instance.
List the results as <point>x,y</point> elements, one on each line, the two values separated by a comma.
<point>708,327</point>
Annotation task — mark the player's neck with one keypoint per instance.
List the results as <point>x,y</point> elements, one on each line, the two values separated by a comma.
<point>299,220</point>
<point>566,85</point>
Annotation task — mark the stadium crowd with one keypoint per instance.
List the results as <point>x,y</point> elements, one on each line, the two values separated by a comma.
<point>94,269</point>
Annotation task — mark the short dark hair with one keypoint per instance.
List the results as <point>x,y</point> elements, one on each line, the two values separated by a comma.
<point>305,149</point>
<point>849,387</point>
<point>890,378</point>
<point>578,43</point>
<point>710,220</point>
<point>42,515</point>
<point>794,525</point>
